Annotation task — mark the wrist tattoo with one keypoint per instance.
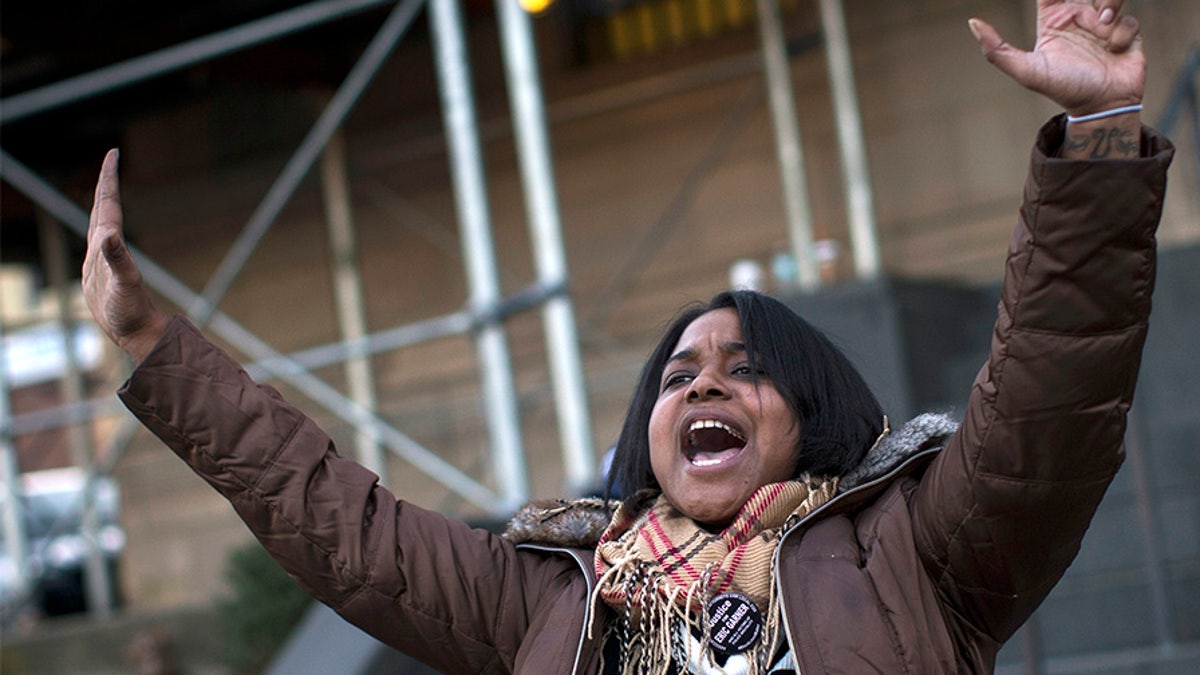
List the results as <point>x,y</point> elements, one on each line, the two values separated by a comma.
<point>1103,142</point>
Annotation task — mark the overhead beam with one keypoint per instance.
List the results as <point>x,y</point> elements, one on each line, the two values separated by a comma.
<point>155,64</point>
<point>302,160</point>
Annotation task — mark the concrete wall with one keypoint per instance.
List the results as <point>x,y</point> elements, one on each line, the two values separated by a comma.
<point>185,640</point>
<point>1130,602</point>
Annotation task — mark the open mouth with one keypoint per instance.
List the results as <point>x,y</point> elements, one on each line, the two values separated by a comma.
<point>712,442</point>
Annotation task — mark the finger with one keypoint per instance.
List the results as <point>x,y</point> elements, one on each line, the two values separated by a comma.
<point>106,207</point>
<point>1011,61</point>
<point>1093,23</point>
<point>103,187</point>
<point>1108,11</point>
<point>1123,35</point>
<point>116,253</point>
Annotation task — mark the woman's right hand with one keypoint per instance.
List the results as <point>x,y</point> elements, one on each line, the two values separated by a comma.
<point>112,284</point>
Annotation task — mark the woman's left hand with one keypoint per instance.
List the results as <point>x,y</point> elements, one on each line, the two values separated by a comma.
<point>1088,58</point>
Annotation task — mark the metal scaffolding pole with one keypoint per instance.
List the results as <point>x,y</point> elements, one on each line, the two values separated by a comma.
<point>541,204</point>
<point>387,340</point>
<point>54,256</point>
<point>68,213</point>
<point>202,308</point>
<point>180,56</point>
<point>1029,636</point>
<point>348,295</point>
<point>1157,575</point>
<point>787,143</point>
<point>12,517</point>
<point>298,165</point>
<point>859,206</point>
<point>60,416</point>
<point>510,469</point>
<point>470,197</point>
<point>1185,94</point>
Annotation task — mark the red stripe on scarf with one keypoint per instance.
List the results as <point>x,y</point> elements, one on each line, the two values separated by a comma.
<point>740,536</point>
<point>733,566</point>
<point>738,541</point>
<point>684,563</point>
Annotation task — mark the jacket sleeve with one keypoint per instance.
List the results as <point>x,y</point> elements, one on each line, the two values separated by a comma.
<point>1000,514</point>
<point>457,598</point>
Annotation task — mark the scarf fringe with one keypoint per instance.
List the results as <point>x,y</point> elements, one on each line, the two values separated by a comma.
<point>657,613</point>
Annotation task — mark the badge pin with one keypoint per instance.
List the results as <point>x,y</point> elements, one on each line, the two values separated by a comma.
<point>734,623</point>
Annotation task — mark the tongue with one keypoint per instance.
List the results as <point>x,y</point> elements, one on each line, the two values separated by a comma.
<point>711,446</point>
<point>705,456</point>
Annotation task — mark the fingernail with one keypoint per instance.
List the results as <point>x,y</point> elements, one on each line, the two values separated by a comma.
<point>973,24</point>
<point>1106,16</point>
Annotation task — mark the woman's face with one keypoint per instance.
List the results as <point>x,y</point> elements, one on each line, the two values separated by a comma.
<point>715,438</point>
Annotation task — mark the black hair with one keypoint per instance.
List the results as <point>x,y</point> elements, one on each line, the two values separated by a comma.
<point>838,415</point>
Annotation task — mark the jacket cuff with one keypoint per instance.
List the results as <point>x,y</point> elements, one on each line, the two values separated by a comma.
<point>1053,133</point>
<point>1087,234</point>
<point>166,352</point>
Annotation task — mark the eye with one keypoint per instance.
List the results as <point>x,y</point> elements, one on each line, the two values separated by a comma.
<point>675,379</point>
<point>748,370</point>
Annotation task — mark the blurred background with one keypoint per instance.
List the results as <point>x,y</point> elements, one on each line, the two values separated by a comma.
<point>451,234</point>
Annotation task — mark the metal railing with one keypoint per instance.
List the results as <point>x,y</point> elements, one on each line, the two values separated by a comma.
<point>486,310</point>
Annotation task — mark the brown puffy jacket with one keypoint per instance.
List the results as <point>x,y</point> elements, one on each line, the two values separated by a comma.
<point>927,570</point>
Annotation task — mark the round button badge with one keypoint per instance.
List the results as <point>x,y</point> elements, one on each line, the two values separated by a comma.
<point>734,623</point>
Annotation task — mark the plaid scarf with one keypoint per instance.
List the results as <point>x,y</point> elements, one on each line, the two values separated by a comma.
<point>658,569</point>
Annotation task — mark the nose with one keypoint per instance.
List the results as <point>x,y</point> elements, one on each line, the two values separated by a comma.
<point>706,386</point>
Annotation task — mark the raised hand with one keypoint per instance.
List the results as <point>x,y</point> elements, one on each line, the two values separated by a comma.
<point>1087,59</point>
<point>112,284</point>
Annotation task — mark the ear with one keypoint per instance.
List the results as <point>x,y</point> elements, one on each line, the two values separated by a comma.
<point>799,460</point>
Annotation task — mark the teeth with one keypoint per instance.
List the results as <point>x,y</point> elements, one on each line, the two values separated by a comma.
<point>706,462</point>
<point>714,424</point>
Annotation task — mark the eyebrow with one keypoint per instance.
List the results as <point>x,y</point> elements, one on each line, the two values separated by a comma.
<point>689,353</point>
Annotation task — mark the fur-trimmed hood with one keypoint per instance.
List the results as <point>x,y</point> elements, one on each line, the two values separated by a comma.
<point>578,523</point>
